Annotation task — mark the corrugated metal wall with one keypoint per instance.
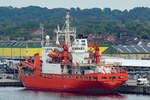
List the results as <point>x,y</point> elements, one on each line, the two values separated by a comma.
<point>19,52</point>
<point>16,52</point>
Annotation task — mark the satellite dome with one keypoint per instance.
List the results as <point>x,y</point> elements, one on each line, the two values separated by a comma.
<point>47,37</point>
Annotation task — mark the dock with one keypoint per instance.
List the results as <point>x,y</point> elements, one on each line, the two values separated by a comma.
<point>10,83</point>
<point>132,87</point>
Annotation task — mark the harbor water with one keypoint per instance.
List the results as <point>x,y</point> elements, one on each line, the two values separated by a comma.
<point>20,93</point>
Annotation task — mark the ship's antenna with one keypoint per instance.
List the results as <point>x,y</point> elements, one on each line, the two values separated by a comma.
<point>66,31</point>
<point>57,37</point>
<point>67,39</point>
<point>26,48</point>
<point>42,33</point>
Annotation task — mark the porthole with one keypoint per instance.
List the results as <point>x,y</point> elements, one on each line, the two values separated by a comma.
<point>50,76</point>
<point>45,76</point>
<point>103,77</point>
<point>121,77</point>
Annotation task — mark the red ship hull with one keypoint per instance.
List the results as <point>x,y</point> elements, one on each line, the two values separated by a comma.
<point>74,83</point>
<point>97,82</point>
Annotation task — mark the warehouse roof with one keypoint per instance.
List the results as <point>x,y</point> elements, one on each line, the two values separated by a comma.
<point>22,44</point>
<point>129,49</point>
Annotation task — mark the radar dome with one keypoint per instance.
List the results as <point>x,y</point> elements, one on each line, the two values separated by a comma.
<point>47,37</point>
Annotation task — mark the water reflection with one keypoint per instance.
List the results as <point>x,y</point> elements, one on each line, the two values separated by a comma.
<point>14,93</point>
<point>74,95</point>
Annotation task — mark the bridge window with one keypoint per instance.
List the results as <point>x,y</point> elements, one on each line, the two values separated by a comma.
<point>83,40</point>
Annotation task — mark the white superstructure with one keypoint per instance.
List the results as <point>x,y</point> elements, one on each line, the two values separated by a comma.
<point>80,51</point>
<point>46,66</point>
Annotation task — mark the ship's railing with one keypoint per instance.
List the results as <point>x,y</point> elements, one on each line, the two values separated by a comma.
<point>128,56</point>
<point>102,64</point>
<point>69,76</point>
<point>120,70</point>
<point>112,69</point>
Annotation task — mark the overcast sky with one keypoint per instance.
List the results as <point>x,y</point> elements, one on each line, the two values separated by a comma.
<point>114,4</point>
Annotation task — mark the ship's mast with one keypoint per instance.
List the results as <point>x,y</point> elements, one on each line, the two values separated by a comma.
<point>67,35</point>
<point>42,33</point>
<point>57,31</point>
<point>27,48</point>
<point>66,32</point>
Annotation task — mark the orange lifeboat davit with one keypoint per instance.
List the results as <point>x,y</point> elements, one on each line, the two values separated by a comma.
<point>54,54</point>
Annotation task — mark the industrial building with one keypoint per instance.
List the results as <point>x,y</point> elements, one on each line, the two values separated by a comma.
<point>134,58</point>
<point>18,49</point>
<point>15,49</point>
<point>128,50</point>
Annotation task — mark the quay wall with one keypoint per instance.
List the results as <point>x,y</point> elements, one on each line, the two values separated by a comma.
<point>134,89</point>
